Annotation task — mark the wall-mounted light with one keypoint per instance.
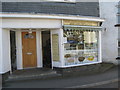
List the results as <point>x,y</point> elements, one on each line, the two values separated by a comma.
<point>30,31</point>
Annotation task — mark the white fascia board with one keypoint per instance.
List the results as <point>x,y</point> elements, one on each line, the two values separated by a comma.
<point>46,16</point>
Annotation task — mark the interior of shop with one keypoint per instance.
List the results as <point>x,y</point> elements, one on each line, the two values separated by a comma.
<point>46,49</point>
<point>13,50</point>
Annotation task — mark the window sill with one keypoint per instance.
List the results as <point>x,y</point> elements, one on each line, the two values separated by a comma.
<point>81,64</point>
<point>59,1</point>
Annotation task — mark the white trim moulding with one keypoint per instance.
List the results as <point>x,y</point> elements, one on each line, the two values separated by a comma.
<point>46,16</point>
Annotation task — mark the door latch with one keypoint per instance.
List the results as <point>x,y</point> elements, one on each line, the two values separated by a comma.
<point>29,53</point>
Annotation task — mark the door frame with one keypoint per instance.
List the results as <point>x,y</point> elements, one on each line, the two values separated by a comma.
<point>19,48</point>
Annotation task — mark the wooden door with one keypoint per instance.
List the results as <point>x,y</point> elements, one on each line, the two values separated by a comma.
<point>29,50</point>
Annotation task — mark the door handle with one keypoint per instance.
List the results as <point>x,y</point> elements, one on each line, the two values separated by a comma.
<point>29,53</point>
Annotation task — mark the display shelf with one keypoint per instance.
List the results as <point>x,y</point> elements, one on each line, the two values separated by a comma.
<point>76,61</point>
<point>88,50</point>
<point>74,43</point>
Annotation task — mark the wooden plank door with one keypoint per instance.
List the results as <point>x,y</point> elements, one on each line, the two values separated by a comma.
<point>29,50</point>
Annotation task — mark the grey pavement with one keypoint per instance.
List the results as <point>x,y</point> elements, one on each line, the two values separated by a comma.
<point>109,85</point>
<point>68,82</point>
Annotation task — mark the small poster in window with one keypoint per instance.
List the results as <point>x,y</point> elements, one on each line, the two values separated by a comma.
<point>65,39</point>
<point>55,45</point>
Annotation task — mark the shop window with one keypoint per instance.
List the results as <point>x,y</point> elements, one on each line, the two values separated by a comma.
<point>80,46</point>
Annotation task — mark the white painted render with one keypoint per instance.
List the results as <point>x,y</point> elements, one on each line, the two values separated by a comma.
<point>30,23</point>
<point>108,11</point>
<point>19,49</point>
<point>39,48</point>
<point>6,60</point>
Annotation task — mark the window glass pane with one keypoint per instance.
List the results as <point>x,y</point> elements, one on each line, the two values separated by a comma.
<point>30,36</point>
<point>80,46</point>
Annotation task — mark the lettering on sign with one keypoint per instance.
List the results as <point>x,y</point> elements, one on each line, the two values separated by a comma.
<point>81,23</point>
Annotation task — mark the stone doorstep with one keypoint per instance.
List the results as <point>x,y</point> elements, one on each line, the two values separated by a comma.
<point>45,75</point>
<point>34,75</point>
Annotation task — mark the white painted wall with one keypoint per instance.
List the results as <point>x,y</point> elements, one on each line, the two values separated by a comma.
<point>108,11</point>
<point>39,49</point>
<point>30,23</point>
<point>19,49</point>
<point>6,61</point>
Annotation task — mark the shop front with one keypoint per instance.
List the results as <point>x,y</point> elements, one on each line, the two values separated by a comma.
<point>40,41</point>
<point>80,44</point>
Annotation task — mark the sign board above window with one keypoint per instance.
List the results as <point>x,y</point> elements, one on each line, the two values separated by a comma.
<point>81,23</point>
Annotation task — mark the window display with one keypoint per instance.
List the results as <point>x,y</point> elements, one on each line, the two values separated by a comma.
<point>80,46</point>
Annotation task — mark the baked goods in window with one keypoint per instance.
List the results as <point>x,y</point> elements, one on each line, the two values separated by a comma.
<point>81,59</point>
<point>91,58</point>
<point>67,56</point>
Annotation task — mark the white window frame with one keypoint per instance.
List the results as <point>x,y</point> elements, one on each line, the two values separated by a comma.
<point>61,0</point>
